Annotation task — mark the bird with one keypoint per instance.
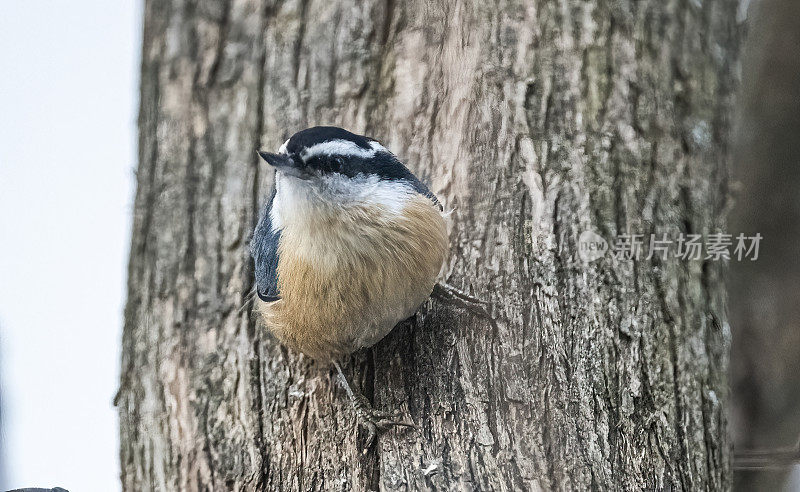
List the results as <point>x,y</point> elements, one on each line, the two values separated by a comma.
<point>349,244</point>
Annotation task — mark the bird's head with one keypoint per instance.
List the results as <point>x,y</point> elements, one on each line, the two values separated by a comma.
<point>326,150</point>
<point>326,164</point>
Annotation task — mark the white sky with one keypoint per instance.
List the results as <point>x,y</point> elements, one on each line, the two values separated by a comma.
<point>68,90</point>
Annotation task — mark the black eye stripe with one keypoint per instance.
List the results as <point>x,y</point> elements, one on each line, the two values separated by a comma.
<point>383,164</point>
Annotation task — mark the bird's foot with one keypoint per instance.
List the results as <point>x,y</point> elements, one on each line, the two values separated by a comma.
<point>452,295</point>
<point>374,421</point>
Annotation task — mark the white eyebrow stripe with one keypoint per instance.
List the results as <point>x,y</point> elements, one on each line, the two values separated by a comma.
<point>343,148</point>
<point>377,147</point>
<point>283,150</point>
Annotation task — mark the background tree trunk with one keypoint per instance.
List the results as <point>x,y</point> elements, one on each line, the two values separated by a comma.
<point>534,121</point>
<point>765,295</point>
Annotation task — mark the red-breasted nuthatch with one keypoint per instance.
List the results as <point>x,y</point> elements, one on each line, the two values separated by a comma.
<point>350,244</point>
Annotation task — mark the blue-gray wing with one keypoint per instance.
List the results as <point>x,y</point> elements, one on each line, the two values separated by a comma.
<point>264,249</point>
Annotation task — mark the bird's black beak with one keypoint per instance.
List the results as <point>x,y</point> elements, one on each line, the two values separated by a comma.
<point>277,160</point>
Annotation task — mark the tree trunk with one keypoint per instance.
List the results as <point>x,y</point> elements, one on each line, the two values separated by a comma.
<point>534,121</point>
<point>765,294</point>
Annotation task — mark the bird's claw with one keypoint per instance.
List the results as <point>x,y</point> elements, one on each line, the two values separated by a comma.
<point>375,421</point>
<point>448,293</point>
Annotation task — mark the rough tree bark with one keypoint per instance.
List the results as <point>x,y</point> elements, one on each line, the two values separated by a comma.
<point>534,121</point>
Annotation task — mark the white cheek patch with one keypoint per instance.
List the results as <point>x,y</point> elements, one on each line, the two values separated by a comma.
<point>297,199</point>
<point>291,200</point>
<point>368,190</point>
<point>275,212</point>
